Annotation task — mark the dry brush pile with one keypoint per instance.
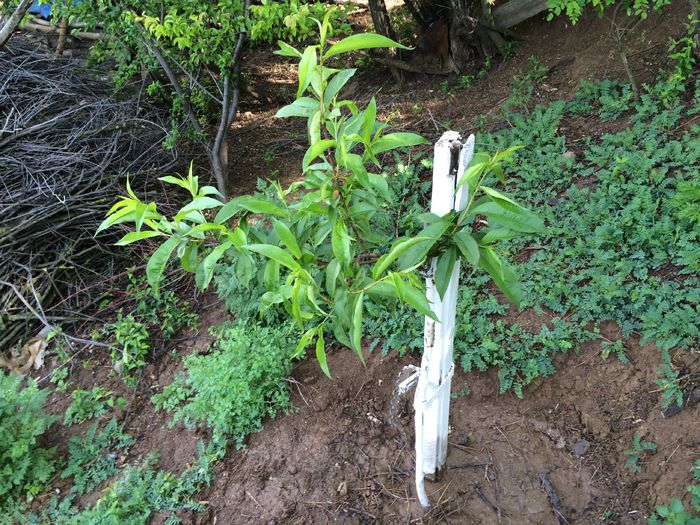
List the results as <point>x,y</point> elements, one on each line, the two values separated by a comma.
<point>68,142</point>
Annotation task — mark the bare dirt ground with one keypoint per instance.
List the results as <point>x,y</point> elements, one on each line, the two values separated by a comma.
<point>336,458</point>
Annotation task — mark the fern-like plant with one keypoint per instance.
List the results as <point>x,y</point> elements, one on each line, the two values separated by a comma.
<point>25,466</point>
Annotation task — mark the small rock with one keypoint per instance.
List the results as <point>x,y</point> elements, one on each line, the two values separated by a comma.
<point>569,155</point>
<point>694,396</point>
<point>580,448</point>
<point>671,410</point>
<point>342,489</point>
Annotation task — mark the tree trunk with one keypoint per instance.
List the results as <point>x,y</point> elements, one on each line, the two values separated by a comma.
<point>474,31</point>
<point>62,32</point>
<point>13,21</point>
<point>219,166</point>
<point>382,25</point>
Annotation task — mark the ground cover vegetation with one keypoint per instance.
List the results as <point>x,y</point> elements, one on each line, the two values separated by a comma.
<point>622,239</point>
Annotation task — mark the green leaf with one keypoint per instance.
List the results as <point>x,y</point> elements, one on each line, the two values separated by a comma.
<point>175,180</point>
<point>498,196</point>
<point>124,213</point>
<point>159,260</point>
<point>417,299</point>
<point>137,236</point>
<point>340,243</point>
<point>321,353</point>
<point>502,274</point>
<point>511,216</point>
<point>473,172</point>
<point>467,246</point>
<point>304,341</point>
<point>396,140</point>
<point>250,204</point>
<point>271,274</point>
<point>211,190</point>
<point>315,150</point>
<point>286,50</point>
<point>142,212</point>
<point>394,253</point>
<point>336,84</point>
<point>287,237</point>
<point>190,258</point>
<point>368,121</point>
<point>357,326</point>
<point>301,107</point>
<point>296,303</point>
<point>382,289</point>
<point>332,272</point>
<point>361,41</point>
<point>379,183</point>
<point>314,128</point>
<point>433,233</point>
<point>498,234</point>
<point>209,263</point>
<point>307,65</point>
<point>198,204</point>
<point>443,270</point>
<point>399,285</point>
<point>237,237</point>
<point>276,254</point>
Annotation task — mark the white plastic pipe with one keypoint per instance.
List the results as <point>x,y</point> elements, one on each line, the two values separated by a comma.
<point>432,400</point>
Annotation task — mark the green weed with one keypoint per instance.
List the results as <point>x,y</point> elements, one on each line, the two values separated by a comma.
<point>232,387</point>
<point>88,404</point>
<point>133,338</point>
<point>92,458</point>
<point>162,310</point>
<point>25,466</point>
<point>633,454</point>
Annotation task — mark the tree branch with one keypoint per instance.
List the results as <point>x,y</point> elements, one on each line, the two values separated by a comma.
<point>191,115</point>
<point>13,21</point>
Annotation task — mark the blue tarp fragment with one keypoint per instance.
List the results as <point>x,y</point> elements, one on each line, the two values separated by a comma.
<point>43,7</point>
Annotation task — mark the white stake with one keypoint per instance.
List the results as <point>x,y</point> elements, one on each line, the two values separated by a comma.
<point>432,401</point>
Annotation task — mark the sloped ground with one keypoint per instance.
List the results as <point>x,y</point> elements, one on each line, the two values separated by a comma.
<point>336,458</point>
<point>340,460</point>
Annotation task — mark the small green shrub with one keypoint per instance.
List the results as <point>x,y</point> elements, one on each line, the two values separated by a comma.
<point>633,454</point>
<point>292,20</point>
<point>88,404</point>
<point>162,310</point>
<point>686,201</point>
<point>612,99</point>
<point>133,338</point>
<point>235,385</point>
<point>465,81</point>
<point>142,491</point>
<point>671,391</point>
<point>673,514</point>
<point>25,466</point>
<point>93,458</point>
<point>136,495</point>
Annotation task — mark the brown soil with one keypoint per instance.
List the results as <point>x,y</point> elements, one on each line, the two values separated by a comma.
<point>336,458</point>
<point>339,460</point>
